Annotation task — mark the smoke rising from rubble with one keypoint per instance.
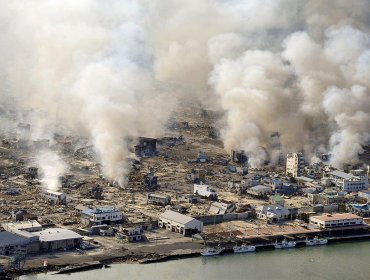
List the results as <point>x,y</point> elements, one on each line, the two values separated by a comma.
<point>113,70</point>
<point>51,167</point>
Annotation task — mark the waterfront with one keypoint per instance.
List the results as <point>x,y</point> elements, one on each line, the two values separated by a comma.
<point>338,261</point>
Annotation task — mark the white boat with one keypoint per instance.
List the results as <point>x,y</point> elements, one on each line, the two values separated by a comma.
<point>316,241</point>
<point>244,248</point>
<point>285,244</point>
<point>211,251</point>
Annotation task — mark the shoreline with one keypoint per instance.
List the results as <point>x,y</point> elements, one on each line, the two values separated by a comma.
<point>98,261</point>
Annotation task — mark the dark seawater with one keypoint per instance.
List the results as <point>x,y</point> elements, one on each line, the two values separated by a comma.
<point>338,261</point>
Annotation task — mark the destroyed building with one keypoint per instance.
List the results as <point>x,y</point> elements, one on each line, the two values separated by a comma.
<point>22,215</point>
<point>239,157</point>
<point>196,176</point>
<point>158,199</point>
<point>131,234</point>
<point>220,208</point>
<point>151,181</point>
<point>188,198</point>
<point>90,190</point>
<point>202,157</point>
<point>55,197</point>
<point>33,172</point>
<point>147,147</point>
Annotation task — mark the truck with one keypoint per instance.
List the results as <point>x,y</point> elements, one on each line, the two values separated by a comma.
<point>205,191</point>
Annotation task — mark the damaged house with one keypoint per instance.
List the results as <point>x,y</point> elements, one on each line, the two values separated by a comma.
<point>147,147</point>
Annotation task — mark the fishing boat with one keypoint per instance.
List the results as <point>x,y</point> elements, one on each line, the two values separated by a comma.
<point>285,244</point>
<point>316,241</point>
<point>244,248</point>
<point>211,251</point>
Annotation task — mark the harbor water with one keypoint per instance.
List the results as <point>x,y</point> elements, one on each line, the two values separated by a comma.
<point>339,261</point>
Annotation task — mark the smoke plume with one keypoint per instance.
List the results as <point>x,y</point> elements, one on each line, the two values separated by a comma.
<point>52,167</point>
<point>115,70</point>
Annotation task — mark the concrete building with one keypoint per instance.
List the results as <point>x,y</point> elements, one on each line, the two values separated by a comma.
<point>273,213</point>
<point>158,199</point>
<point>259,191</point>
<point>11,244</point>
<point>294,164</point>
<point>131,234</point>
<point>54,239</point>
<point>348,182</point>
<point>102,215</point>
<point>179,223</point>
<point>335,220</point>
<point>56,197</point>
<point>219,208</point>
<point>189,198</point>
<point>29,226</point>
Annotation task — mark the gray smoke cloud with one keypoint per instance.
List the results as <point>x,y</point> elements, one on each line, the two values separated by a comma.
<point>113,70</point>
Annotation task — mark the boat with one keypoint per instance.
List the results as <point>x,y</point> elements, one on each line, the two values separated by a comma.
<point>285,244</point>
<point>316,241</point>
<point>244,248</point>
<point>211,251</point>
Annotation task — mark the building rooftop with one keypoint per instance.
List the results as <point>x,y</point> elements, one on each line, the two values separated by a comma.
<point>277,198</point>
<point>22,225</point>
<point>334,217</point>
<point>176,217</point>
<point>55,234</point>
<point>106,209</point>
<point>8,238</point>
<point>341,174</point>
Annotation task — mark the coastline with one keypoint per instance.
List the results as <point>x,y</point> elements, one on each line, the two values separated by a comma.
<point>70,262</point>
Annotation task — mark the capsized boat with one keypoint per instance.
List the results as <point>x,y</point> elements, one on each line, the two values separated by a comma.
<point>211,251</point>
<point>244,248</point>
<point>285,244</point>
<point>316,241</point>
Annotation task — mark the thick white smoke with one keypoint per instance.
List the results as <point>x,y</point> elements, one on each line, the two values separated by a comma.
<point>51,167</point>
<point>112,70</point>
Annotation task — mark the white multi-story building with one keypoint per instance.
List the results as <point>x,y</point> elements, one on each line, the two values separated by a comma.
<point>348,182</point>
<point>335,220</point>
<point>55,197</point>
<point>102,215</point>
<point>294,164</point>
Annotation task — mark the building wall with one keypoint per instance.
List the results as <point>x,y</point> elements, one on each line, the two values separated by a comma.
<point>294,164</point>
<point>335,223</point>
<point>184,229</point>
<point>60,245</point>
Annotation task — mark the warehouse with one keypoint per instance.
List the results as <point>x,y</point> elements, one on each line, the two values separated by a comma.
<point>54,239</point>
<point>179,223</point>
